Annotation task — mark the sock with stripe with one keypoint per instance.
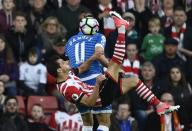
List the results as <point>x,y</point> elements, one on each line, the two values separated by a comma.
<point>145,93</point>
<point>119,50</point>
<point>102,128</point>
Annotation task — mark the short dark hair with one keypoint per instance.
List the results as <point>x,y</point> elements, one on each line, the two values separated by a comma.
<point>10,97</point>
<point>52,65</point>
<point>20,13</point>
<point>179,8</point>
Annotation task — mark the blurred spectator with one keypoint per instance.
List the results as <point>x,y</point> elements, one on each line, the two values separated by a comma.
<point>51,30</point>
<point>153,42</point>
<point>68,120</point>
<point>154,6</point>
<point>8,67</point>
<point>59,49</point>
<point>33,74</point>
<point>11,112</point>
<point>20,38</point>
<point>2,96</point>
<point>69,15</point>
<point>141,109</point>
<point>6,124</point>
<point>181,31</point>
<point>131,33</point>
<point>142,16</point>
<point>121,120</point>
<point>106,23</point>
<point>6,15</point>
<point>168,59</point>
<point>36,122</point>
<point>38,13</point>
<point>22,5</point>
<point>131,63</point>
<point>167,122</point>
<point>166,14</point>
<point>182,93</point>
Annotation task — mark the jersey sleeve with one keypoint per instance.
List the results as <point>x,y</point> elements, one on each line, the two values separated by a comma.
<point>101,41</point>
<point>73,94</point>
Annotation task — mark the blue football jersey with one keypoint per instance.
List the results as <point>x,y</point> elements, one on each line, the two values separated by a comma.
<point>79,48</point>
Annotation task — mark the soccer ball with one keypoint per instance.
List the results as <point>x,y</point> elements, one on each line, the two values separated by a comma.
<point>89,26</point>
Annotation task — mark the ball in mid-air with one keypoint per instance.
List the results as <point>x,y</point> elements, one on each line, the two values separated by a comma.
<point>89,26</point>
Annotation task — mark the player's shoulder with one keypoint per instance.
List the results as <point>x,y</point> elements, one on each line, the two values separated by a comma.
<point>24,65</point>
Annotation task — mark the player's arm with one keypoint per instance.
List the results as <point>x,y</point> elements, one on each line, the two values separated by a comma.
<point>85,66</point>
<point>91,100</point>
<point>104,61</point>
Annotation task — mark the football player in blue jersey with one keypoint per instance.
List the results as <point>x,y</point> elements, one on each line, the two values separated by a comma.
<point>78,49</point>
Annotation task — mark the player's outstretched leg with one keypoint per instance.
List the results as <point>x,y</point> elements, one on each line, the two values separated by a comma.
<point>128,83</point>
<point>119,51</point>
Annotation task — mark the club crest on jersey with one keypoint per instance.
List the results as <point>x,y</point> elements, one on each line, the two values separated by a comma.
<point>75,97</point>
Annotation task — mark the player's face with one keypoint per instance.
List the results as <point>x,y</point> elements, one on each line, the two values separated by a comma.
<point>123,111</point>
<point>11,106</point>
<point>2,45</point>
<point>175,75</point>
<point>37,113</point>
<point>148,73</point>
<point>64,65</point>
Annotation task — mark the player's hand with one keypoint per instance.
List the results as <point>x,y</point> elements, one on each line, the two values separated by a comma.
<point>100,79</point>
<point>97,55</point>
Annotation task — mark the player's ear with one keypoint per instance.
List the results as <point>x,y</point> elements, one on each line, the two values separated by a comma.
<point>59,70</point>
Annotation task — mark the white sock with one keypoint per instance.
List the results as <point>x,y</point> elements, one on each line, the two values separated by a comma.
<point>87,128</point>
<point>121,29</point>
<point>102,128</point>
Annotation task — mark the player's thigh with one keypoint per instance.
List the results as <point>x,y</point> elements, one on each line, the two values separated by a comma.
<point>87,119</point>
<point>113,70</point>
<point>128,83</point>
<point>104,119</point>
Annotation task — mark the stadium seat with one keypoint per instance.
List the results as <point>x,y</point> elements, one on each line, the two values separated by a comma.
<point>21,104</point>
<point>49,103</point>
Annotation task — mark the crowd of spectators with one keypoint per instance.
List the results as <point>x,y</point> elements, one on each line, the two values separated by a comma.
<point>158,49</point>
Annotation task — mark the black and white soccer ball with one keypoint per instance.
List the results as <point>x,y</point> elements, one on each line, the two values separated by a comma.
<point>89,25</point>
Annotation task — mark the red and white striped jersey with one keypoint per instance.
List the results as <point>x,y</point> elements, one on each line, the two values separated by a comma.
<point>73,89</point>
<point>61,121</point>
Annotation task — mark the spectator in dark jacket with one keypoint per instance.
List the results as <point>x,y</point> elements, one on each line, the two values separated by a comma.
<point>20,38</point>
<point>69,15</point>
<point>11,113</point>
<point>182,93</point>
<point>36,121</point>
<point>7,15</point>
<point>168,59</point>
<point>8,67</point>
<point>167,122</point>
<point>122,120</point>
